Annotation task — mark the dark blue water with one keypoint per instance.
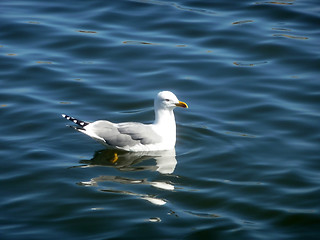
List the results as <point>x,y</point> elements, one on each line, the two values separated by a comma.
<point>247,155</point>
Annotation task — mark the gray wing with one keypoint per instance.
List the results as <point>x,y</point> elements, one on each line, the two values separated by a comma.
<point>125,134</point>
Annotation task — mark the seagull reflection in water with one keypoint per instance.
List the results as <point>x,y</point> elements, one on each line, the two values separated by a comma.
<point>130,162</point>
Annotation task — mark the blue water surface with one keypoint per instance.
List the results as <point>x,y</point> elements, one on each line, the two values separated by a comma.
<point>247,153</point>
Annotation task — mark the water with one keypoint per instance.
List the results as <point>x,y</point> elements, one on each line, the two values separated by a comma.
<point>247,154</point>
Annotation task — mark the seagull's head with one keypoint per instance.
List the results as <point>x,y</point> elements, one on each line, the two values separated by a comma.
<point>167,100</point>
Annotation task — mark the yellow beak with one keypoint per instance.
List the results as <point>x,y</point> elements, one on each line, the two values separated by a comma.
<point>182,104</point>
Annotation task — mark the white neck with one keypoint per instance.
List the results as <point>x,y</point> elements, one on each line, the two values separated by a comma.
<point>165,117</point>
<point>165,126</point>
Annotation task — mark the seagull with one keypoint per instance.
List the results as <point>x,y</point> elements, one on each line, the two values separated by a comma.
<point>134,136</point>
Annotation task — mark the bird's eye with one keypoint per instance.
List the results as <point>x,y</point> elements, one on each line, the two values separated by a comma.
<point>167,100</point>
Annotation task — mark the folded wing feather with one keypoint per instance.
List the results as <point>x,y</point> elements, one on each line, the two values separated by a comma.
<point>125,134</point>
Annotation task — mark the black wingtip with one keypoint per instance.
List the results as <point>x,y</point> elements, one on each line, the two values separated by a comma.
<point>74,120</point>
